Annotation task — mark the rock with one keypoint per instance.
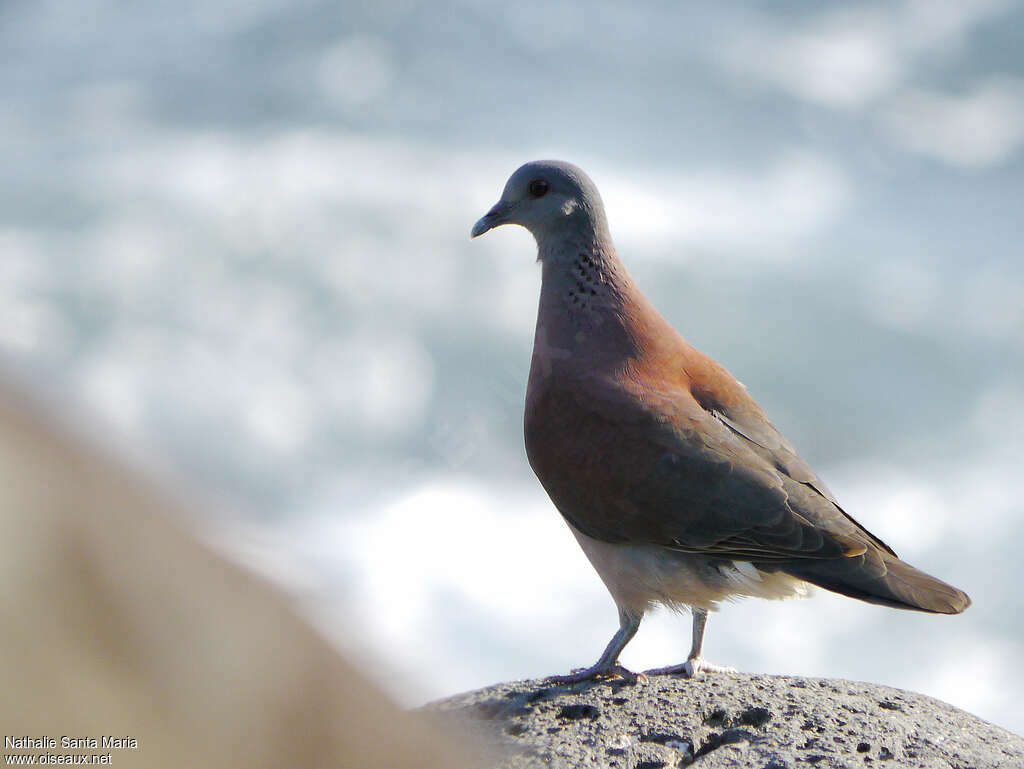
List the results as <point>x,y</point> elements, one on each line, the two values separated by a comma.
<point>733,720</point>
<point>125,629</point>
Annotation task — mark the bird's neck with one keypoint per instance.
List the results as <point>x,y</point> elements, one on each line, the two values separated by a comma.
<point>586,302</point>
<point>581,278</point>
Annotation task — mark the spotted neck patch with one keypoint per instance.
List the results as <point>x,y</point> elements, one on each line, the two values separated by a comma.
<point>588,282</point>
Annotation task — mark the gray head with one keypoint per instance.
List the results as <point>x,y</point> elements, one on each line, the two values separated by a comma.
<point>554,200</point>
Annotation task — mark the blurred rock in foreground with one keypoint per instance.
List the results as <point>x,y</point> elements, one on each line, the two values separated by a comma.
<point>118,623</point>
<point>734,720</point>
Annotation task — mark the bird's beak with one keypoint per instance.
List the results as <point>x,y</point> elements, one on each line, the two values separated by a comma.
<point>496,216</point>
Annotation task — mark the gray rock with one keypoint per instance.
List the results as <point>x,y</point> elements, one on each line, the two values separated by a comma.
<point>731,720</point>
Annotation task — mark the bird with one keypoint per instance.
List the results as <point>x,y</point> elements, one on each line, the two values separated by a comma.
<point>676,485</point>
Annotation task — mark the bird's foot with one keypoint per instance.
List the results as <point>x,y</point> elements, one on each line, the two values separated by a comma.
<point>599,671</point>
<point>690,669</point>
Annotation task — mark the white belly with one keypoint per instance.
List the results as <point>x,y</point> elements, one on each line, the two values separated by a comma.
<point>639,576</point>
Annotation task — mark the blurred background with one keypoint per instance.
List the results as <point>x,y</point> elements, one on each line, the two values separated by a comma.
<point>237,233</point>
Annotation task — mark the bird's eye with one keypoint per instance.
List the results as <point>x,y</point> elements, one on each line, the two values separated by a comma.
<point>538,188</point>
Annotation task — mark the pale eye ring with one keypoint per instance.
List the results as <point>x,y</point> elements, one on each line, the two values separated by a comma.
<point>538,188</point>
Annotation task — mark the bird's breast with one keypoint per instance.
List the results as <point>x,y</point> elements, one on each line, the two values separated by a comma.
<point>584,460</point>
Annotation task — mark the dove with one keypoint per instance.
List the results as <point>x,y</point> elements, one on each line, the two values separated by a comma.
<point>676,485</point>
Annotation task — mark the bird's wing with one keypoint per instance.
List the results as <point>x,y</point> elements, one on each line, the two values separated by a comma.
<point>750,424</point>
<point>657,467</point>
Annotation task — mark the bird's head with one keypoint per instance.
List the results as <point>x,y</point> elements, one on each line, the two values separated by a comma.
<point>553,200</point>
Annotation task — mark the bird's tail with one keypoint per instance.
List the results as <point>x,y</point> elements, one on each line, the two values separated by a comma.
<point>878,577</point>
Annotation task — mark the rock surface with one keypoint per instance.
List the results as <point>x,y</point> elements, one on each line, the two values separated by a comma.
<point>733,720</point>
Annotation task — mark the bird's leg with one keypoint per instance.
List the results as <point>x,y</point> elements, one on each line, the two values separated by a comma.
<point>608,665</point>
<point>694,662</point>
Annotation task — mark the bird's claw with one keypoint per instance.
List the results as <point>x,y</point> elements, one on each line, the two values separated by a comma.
<point>691,668</point>
<point>598,672</point>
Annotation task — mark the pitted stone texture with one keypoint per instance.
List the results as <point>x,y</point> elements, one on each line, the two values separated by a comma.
<point>734,720</point>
